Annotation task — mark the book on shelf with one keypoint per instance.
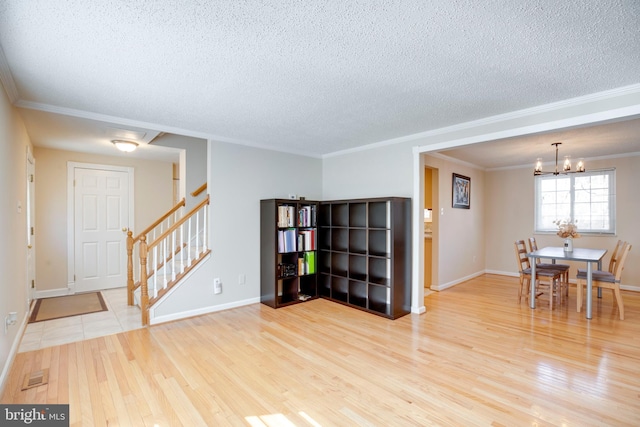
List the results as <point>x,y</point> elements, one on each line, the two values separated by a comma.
<point>287,241</point>
<point>286,270</point>
<point>286,216</point>
<point>307,216</point>
<point>307,263</point>
<point>307,240</point>
<point>310,261</point>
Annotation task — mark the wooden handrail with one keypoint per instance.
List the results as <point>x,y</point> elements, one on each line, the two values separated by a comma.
<point>199,190</point>
<point>146,249</point>
<point>159,220</point>
<point>178,223</point>
<point>131,242</point>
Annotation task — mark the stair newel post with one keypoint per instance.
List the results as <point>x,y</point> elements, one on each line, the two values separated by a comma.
<point>129,267</point>
<point>144,292</point>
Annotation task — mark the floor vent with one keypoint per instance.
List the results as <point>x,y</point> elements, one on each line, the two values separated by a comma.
<point>35,379</point>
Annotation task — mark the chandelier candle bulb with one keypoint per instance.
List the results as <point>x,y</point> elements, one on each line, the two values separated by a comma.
<point>538,168</point>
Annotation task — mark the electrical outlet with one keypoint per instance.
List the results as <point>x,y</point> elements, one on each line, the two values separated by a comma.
<point>242,279</point>
<point>217,285</point>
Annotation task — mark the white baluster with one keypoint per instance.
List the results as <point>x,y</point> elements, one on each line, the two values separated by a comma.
<point>154,269</point>
<point>189,244</point>
<point>182,248</point>
<point>198,233</point>
<point>204,227</point>
<point>173,255</point>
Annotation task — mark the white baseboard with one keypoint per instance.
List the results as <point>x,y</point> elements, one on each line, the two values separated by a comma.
<point>12,352</point>
<point>502,273</point>
<point>419,310</point>
<point>444,286</point>
<point>200,311</point>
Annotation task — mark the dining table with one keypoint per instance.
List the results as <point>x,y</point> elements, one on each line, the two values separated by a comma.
<point>558,253</point>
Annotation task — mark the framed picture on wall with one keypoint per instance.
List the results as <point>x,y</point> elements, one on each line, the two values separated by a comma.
<point>461,191</point>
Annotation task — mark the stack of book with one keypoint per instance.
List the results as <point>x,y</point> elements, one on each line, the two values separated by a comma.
<point>287,240</point>
<point>307,216</point>
<point>307,263</point>
<point>307,240</point>
<point>286,216</point>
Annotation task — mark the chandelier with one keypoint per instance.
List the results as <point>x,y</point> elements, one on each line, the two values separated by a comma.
<point>566,167</point>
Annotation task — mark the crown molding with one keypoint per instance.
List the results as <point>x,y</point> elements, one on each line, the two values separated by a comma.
<point>8,82</point>
<point>6,78</point>
<point>518,114</point>
<point>456,161</point>
<point>151,126</point>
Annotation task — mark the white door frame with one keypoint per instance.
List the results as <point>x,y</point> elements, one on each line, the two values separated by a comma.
<point>31,215</point>
<point>71,166</point>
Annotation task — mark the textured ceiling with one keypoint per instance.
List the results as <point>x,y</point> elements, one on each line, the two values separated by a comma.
<point>314,77</point>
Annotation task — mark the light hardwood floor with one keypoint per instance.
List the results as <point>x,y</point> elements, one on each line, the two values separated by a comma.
<point>476,357</point>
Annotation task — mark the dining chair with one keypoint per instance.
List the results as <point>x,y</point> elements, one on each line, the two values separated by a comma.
<point>533,246</point>
<point>614,257</point>
<point>606,279</point>
<point>612,263</point>
<point>545,278</point>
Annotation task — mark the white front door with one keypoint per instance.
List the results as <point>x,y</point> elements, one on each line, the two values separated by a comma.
<point>101,211</point>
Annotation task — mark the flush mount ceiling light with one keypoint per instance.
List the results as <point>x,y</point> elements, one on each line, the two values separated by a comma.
<point>126,146</point>
<point>566,167</point>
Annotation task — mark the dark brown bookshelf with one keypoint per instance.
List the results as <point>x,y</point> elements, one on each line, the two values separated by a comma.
<point>365,254</point>
<point>288,251</point>
<point>362,255</point>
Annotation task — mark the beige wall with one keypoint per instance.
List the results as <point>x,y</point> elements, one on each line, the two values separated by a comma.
<point>510,204</point>
<point>153,190</point>
<point>458,234</point>
<point>13,223</point>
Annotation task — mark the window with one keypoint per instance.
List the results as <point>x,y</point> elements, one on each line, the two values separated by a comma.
<point>587,197</point>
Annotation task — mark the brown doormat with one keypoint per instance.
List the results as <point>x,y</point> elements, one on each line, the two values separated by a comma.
<point>67,306</point>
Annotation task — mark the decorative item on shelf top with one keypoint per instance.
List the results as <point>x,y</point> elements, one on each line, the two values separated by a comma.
<point>568,230</point>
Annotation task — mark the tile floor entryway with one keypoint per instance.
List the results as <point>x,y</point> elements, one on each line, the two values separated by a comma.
<point>118,318</point>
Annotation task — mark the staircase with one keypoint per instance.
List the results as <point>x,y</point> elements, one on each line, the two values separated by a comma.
<point>160,256</point>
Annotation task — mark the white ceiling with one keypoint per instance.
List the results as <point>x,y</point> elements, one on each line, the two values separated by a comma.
<point>312,77</point>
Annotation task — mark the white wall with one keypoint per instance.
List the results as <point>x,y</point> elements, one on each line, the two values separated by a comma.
<point>13,223</point>
<point>377,172</point>
<point>153,190</point>
<point>240,177</point>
